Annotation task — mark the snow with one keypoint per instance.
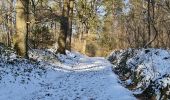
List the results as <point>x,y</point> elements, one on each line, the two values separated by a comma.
<point>149,68</point>
<point>153,64</point>
<point>59,77</point>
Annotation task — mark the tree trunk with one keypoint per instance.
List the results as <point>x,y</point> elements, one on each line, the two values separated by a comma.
<point>63,29</point>
<point>20,38</point>
<point>149,23</point>
<point>70,18</point>
<point>10,23</point>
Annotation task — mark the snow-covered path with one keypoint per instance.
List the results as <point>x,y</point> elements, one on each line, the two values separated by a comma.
<point>77,78</point>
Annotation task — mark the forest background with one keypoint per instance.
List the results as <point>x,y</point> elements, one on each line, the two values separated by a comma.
<point>92,27</point>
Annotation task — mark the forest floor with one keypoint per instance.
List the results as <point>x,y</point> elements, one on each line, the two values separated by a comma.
<point>46,76</point>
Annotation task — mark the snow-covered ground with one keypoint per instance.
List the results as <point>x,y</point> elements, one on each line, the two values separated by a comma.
<point>147,69</point>
<point>72,77</point>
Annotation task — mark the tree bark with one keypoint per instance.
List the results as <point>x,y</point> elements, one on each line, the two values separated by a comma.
<point>70,22</point>
<point>20,38</point>
<point>63,29</point>
<point>149,23</point>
